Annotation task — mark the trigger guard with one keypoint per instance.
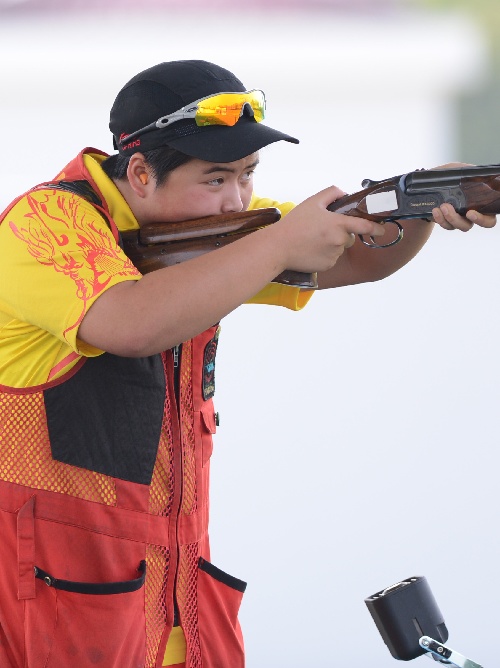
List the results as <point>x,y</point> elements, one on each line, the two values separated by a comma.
<point>374,244</point>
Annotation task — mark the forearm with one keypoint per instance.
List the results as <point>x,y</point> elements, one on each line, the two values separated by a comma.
<point>360,264</point>
<point>171,305</point>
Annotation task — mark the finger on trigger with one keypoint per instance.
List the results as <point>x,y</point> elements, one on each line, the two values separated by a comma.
<point>350,241</point>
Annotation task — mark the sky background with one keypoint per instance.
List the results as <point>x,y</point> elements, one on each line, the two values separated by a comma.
<point>358,438</point>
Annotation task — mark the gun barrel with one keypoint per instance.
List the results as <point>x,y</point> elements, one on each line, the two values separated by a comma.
<point>433,178</point>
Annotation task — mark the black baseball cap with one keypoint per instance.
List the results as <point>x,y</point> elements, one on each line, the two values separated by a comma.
<point>166,88</point>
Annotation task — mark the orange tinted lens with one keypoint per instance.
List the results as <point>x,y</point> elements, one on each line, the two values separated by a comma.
<point>226,108</point>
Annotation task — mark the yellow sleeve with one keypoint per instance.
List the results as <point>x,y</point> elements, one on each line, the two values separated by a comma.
<point>57,255</point>
<point>276,294</point>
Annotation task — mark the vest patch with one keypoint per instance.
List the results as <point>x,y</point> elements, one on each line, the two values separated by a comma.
<point>208,388</point>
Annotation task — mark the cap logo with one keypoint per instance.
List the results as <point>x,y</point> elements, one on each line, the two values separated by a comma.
<point>132,144</point>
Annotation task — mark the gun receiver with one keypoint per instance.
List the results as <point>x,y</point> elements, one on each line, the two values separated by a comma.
<point>159,245</point>
<point>415,194</point>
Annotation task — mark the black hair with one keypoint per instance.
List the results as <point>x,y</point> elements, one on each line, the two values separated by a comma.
<point>161,160</point>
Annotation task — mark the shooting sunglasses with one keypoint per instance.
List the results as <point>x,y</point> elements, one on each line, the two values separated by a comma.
<point>219,109</point>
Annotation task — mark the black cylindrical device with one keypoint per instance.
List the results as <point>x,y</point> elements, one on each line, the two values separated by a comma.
<point>403,613</point>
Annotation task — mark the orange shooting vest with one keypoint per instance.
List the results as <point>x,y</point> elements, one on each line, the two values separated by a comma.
<point>104,512</point>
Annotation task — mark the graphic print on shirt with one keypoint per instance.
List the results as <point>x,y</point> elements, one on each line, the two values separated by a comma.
<point>91,262</point>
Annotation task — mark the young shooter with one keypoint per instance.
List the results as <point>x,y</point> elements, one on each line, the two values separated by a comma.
<point>106,376</point>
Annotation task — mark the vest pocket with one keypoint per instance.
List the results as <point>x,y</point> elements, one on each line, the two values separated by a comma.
<point>85,624</point>
<point>219,600</point>
<point>208,427</point>
<point>87,607</point>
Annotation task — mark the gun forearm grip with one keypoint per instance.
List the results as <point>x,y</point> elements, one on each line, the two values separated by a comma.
<point>482,196</point>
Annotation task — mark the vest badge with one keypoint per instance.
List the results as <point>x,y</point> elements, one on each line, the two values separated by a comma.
<point>208,388</point>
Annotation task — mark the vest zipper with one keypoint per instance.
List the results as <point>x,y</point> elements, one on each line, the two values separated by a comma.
<point>176,354</point>
<point>176,351</point>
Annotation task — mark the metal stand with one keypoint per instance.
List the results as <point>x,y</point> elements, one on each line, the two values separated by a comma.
<point>443,654</point>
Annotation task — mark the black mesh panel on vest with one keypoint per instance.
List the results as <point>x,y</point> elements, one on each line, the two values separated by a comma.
<point>107,417</point>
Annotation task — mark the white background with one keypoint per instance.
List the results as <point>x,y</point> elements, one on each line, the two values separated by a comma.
<point>358,438</point>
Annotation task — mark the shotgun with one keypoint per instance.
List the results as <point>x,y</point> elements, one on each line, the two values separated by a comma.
<point>415,194</point>
<point>411,195</point>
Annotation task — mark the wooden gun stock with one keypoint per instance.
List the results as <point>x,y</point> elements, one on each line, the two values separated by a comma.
<point>158,245</point>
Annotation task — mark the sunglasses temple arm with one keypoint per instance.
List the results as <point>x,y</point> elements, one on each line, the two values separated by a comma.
<point>141,131</point>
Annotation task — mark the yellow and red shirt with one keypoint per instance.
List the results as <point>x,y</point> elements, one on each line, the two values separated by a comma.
<point>55,246</point>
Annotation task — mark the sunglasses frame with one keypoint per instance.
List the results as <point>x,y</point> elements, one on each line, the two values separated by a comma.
<point>189,111</point>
